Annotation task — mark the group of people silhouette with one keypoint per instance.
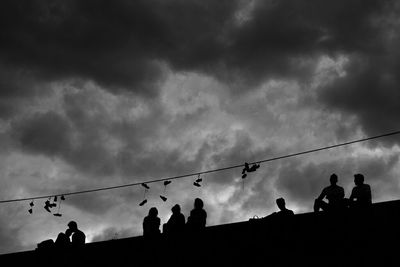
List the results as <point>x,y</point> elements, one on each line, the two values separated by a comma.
<point>72,238</point>
<point>176,223</point>
<point>360,196</point>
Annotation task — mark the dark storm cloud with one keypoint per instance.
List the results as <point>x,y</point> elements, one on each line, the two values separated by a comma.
<point>83,134</point>
<point>114,43</point>
<point>79,137</point>
<point>119,43</point>
<point>47,133</point>
<point>56,136</point>
<point>370,88</point>
<point>371,92</point>
<point>7,109</point>
<point>16,89</point>
<point>97,204</point>
<point>282,36</point>
<point>11,83</point>
<point>9,233</point>
<point>8,241</point>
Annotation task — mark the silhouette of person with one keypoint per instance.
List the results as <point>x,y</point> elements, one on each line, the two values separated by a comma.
<point>62,241</point>
<point>283,211</point>
<point>78,237</point>
<point>198,216</point>
<point>151,223</point>
<point>333,193</point>
<point>361,194</point>
<point>176,222</point>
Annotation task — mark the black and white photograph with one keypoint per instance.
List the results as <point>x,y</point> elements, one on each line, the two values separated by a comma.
<point>208,132</point>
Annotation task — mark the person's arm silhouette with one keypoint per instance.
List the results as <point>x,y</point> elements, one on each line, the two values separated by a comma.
<point>204,219</point>
<point>369,194</point>
<point>342,193</point>
<point>322,195</point>
<point>352,195</point>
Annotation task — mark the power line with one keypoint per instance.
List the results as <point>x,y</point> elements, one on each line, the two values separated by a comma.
<point>204,172</point>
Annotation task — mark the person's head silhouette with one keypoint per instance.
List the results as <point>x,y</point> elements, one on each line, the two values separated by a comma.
<point>333,179</point>
<point>198,203</point>
<point>358,179</point>
<point>153,212</point>
<point>68,232</point>
<point>176,209</point>
<point>281,203</point>
<point>73,226</point>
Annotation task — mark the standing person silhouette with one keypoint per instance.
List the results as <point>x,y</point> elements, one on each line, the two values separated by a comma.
<point>334,194</point>
<point>151,223</point>
<point>176,222</point>
<point>361,194</point>
<point>78,237</point>
<point>198,216</point>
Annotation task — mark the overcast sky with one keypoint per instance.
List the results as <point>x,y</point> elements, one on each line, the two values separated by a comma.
<point>99,93</point>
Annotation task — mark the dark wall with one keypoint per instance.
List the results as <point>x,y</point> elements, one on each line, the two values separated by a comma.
<point>350,238</point>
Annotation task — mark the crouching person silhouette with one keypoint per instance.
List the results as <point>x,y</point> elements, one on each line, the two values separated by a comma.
<point>334,194</point>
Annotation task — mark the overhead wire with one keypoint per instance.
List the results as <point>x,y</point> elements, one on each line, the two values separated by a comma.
<point>202,172</point>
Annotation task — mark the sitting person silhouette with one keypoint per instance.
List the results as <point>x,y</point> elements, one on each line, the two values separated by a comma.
<point>151,223</point>
<point>361,194</point>
<point>176,222</point>
<point>334,194</point>
<point>283,211</point>
<point>198,216</point>
<point>62,241</point>
<point>78,237</point>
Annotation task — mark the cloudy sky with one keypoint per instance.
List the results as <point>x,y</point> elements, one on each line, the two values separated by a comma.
<point>100,93</point>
